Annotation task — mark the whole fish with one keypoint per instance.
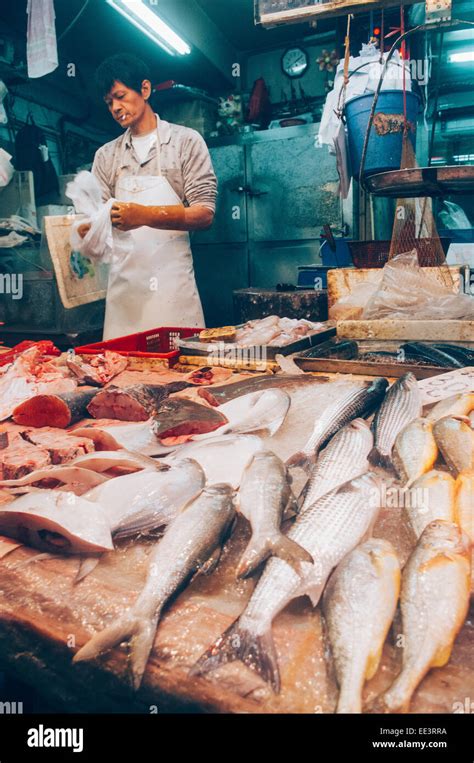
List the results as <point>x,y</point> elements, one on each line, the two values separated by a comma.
<point>216,395</point>
<point>264,494</point>
<point>263,411</point>
<point>191,543</point>
<point>455,439</point>
<point>432,354</point>
<point>57,521</point>
<point>464,354</point>
<point>222,458</point>
<point>401,405</point>
<point>355,402</point>
<point>359,604</point>
<point>146,500</point>
<point>464,504</point>
<point>434,606</point>
<point>457,405</point>
<point>331,528</point>
<point>415,450</point>
<point>344,458</point>
<point>431,497</point>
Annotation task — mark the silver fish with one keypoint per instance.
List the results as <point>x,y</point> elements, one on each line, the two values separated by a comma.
<point>401,405</point>
<point>355,402</point>
<point>457,405</point>
<point>455,439</point>
<point>415,450</point>
<point>431,497</point>
<point>359,605</point>
<point>331,528</point>
<point>434,604</point>
<point>191,543</point>
<point>344,458</point>
<point>146,500</point>
<point>264,494</point>
<point>58,521</point>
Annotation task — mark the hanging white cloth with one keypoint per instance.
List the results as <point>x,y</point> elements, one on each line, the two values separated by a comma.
<point>41,46</point>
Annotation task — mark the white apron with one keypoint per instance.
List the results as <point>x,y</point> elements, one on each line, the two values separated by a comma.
<point>154,285</point>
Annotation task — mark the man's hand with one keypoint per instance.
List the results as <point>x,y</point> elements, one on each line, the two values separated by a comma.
<point>127,216</point>
<point>83,229</point>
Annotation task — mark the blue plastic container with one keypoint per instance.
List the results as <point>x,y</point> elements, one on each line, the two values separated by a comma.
<point>384,150</point>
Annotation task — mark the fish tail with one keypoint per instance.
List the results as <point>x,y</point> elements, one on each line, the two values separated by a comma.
<point>139,630</point>
<point>300,459</point>
<point>377,458</point>
<point>237,643</point>
<point>281,546</point>
<point>349,701</point>
<point>398,697</point>
<point>291,552</point>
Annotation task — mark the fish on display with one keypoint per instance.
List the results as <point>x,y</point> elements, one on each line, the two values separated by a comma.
<point>57,521</point>
<point>465,355</point>
<point>99,370</point>
<point>223,393</point>
<point>178,418</point>
<point>344,458</point>
<point>135,403</point>
<point>264,494</point>
<point>146,500</point>
<point>222,458</point>
<point>464,503</point>
<point>415,450</point>
<point>434,605</point>
<point>358,401</point>
<point>53,410</point>
<point>263,411</point>
<point>191,543</point>
<point>455,439</point>
<point>328,530</point>
<point>116,461</point>
<point>359,604</point>
<point>75,479</point>
<point>431,497</point>
<point>432,354</point>
<point>457,405</point>
<point>134,436</point>
<point>401,405</point>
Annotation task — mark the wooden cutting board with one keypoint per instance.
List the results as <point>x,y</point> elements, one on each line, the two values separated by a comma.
<point>79,280</point>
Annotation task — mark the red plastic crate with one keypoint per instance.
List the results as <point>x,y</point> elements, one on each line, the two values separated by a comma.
<point>154,343</point>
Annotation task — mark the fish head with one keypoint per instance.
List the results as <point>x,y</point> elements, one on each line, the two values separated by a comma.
<point>379,385</point>
<point>447,536</point>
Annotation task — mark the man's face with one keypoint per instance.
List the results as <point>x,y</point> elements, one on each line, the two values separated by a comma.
<point>126,105</point>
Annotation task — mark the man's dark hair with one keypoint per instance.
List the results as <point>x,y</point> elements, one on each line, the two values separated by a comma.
<point>122,67</point>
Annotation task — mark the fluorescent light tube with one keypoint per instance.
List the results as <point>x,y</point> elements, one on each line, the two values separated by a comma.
<point>150,24</point>
<point>461,58</point>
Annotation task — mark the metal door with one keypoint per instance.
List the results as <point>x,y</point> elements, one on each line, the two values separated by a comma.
<point>292,188</point>
<point>230,222</point>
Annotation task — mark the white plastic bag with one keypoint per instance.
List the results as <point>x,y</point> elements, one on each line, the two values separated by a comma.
<point>102,242</point>
<point>408,291</point>
<point>6,168</point>
<point>351,307</point>
<point>453,216</point>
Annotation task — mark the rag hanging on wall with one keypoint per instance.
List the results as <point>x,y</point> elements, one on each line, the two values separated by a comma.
<point>41,46</point>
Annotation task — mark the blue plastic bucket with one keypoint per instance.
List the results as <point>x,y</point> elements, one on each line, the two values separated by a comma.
<point>384,150</point>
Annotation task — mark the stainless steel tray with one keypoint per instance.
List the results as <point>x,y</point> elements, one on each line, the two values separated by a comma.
<point>192,345</point>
